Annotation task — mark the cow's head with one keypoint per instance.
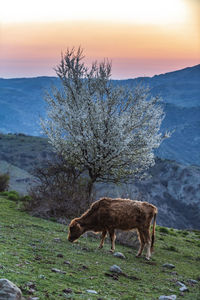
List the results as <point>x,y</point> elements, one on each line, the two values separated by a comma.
<point>75,231</point>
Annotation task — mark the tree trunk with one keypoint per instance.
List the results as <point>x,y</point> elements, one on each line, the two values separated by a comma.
<point>91,182</point>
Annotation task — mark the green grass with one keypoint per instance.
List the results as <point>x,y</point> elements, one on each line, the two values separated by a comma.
<point>29,251</point>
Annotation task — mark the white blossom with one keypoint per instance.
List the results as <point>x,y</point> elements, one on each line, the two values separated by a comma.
<point>108,130</point>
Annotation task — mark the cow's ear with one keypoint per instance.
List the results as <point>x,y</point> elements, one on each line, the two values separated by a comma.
<point>73,223</point>
<point>80,227</point>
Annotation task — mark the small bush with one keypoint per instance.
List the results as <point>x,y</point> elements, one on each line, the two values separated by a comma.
<point>25,198</point>
<point>185,233</point>
<point>6,193</point>
<point>4,182</point>
<point>198,244</point>
<point>179,232</point>
<point>14,196</point>
<point>14,193</point>
<point>164,230</point>
<point>172,232</point>
<point>197,232</point>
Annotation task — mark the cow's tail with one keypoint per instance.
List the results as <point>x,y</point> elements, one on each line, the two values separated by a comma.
<point>153,231</point>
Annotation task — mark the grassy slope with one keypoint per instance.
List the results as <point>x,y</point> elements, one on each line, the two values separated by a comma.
<point>28,252</point>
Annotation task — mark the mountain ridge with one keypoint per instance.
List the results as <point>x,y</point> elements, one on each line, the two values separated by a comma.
<point>166,73</point>
<point>22,104</point>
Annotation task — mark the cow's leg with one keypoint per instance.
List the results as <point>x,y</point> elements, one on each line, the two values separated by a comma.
<point>103,236</point>
<point>147,240</point>
<point>142,243</point>
<point>112,238</point>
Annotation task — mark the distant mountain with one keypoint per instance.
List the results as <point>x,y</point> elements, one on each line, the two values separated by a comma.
<point>180,88</point>
<point>22,103</point>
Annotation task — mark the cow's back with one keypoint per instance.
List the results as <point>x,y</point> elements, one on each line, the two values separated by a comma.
<point>123,214</point>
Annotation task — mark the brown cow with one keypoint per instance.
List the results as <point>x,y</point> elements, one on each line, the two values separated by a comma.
<point>106,215</point>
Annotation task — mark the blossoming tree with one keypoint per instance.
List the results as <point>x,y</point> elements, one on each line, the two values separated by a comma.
<point>99,127</point>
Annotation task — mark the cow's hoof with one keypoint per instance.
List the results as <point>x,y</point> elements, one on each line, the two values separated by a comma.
<point>147,258</point>
<point>138,255</point>
<point>111,251</point>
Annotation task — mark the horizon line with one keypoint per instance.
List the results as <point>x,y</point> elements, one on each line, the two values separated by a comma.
<point>130,78</point>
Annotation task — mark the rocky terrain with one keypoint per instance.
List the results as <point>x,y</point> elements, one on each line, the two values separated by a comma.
<point>172,187</point>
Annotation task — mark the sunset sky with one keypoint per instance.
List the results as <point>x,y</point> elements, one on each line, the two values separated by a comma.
<point>141,37</point>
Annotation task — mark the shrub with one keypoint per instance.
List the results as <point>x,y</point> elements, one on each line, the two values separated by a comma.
<point>6,193</point>
<point>173,233</point>
<point>4,182</point>
<point>197,232</point>
<point>13,195</point>
<point>185,233</point>
<point>25,198</point>
<point>164,230</point>
<point>60,191</point>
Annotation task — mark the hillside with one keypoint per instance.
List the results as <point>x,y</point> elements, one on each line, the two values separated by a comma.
<point>180,88</point>
<point>22,104</point>
<point>19,178</point>
<point>24,152</point>
<point>172,187</point>
<point>37,257</point>
<point>184,144</point>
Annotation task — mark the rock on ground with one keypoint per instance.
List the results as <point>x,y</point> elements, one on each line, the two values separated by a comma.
<point>171,297</point>
<point>192,281</point>
<point>119,255</point>
<point>91,291</point>
<point>58,271</point>
<point>183,287</point>
<point>115,269</point>
<point>168,266</point>
<point>9,290</point>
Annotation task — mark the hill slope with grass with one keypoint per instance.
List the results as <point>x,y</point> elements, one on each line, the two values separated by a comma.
<point>36,256</point>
